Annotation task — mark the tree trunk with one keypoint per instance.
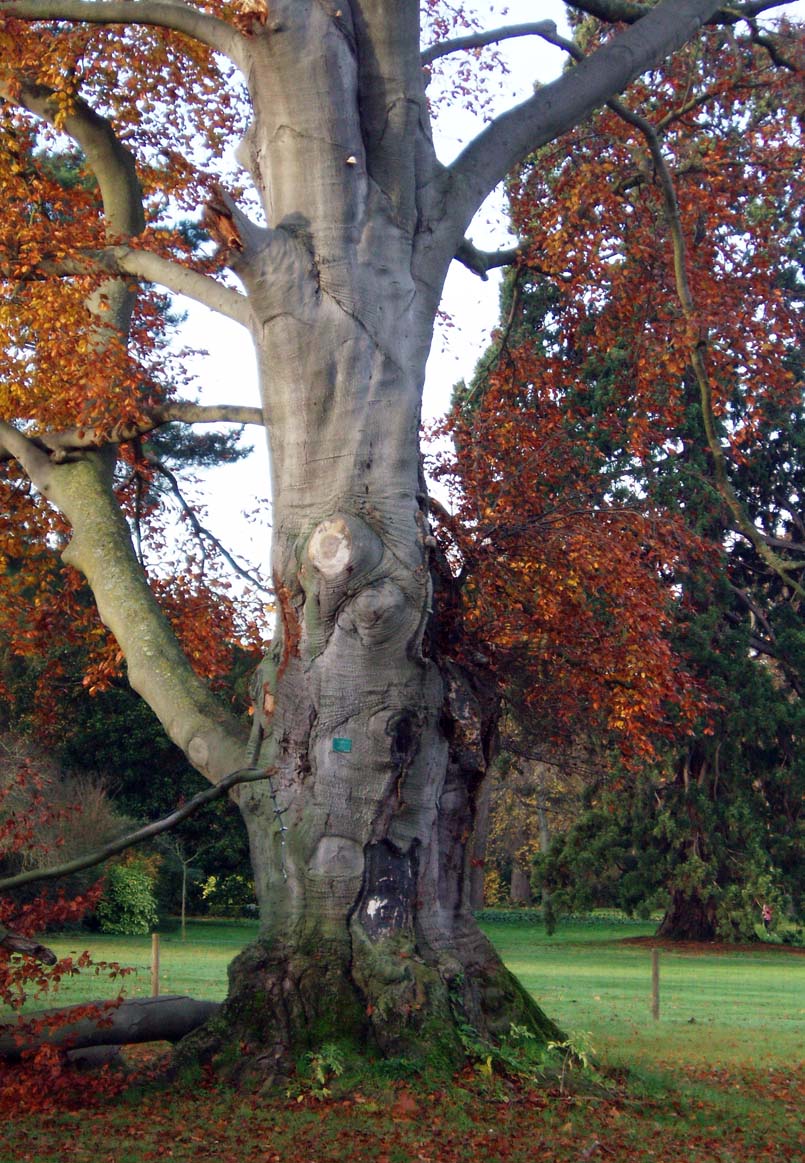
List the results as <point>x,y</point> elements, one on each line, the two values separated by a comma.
<point>544,845</point>
<point>362,844</point>
<point>689,917</point>
<point>480,841</point>
<point>520,890</point>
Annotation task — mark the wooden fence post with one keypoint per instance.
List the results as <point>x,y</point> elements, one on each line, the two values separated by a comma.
<point>655,984</point>
<point>155,965</point>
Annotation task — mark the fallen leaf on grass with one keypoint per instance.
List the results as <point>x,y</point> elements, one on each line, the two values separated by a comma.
<point>405,1106</point>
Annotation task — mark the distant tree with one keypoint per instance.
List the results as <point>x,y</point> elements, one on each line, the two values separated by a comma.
<point>647,381</point>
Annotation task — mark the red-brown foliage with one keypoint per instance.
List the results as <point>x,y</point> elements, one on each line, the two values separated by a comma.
<point>574,568</point>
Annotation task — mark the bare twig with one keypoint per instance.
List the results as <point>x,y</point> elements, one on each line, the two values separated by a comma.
<point>201,531</point>
<point>147,832</point>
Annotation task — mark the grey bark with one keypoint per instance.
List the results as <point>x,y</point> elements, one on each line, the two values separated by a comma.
<point>143,1019</point>
<point>520,888</point>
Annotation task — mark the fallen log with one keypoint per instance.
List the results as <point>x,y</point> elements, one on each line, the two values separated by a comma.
<point>17,944</point>
<point>141,1019</point>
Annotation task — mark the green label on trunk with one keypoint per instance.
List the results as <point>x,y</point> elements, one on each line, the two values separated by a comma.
<point>342,744</point>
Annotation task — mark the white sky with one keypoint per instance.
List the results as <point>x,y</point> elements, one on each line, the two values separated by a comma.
<point>228,375</point>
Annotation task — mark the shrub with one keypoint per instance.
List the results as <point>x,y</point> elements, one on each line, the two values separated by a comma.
<point>229,896</point>
<point>128,905</point>
<point>494,889</point>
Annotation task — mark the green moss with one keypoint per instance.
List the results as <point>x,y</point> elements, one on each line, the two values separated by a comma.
<point>384,1004</point>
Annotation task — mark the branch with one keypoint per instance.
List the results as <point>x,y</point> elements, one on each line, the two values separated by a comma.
<point>170,14</point>
<point>101,548</point>
<point>482,261</point>
<point>202,533</point>
<point>148,267</point>
<point>564,103</point>
<point>108,158</point>
<point>17,944</point>
<point>137,1019</point>
<point>14,445</point>
<point>114,167</point>
<point>482,39</point>
<point>624,12</point>
<point>440,510</point>
<point>179,279</point>
<point>765,42</point>
<point>613,11</point>
<point>732,13</point>
<point>147,832</point>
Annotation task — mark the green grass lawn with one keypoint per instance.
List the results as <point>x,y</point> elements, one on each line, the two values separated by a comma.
<point>725,1007</point>
<point>720,1007</point>
<point>726,1087</point>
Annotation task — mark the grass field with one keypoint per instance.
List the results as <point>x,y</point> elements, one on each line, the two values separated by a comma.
<point>728,1007</point>
<point>718,1079</point>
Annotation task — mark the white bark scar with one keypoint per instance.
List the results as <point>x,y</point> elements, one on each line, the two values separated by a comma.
<point>374,906</point>
<point>330,547</point>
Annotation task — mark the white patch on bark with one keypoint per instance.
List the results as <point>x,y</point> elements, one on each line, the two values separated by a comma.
<point>374,905</point>
<point>330,547</point>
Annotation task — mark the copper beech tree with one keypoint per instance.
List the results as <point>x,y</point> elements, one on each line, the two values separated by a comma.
<point>647,382</point>
<point>650,342</point>
<point>368,742</point>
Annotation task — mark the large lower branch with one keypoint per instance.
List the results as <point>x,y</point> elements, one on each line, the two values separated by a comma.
<point>28,948</point>
<point>210,736</point>
<point>114,847</point>
<point>71,440</point>
<point>170,14</point>
<point>153,1019</point>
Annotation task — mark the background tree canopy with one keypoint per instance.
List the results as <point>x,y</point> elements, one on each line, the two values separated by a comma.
<point>635,582</point>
